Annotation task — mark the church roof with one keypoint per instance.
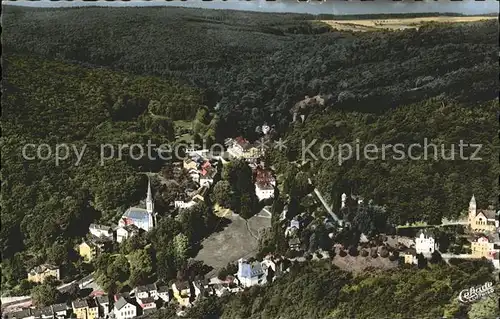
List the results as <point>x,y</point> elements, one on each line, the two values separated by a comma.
<point>473,200</point>
<point>490,214</point>
<point>136,213</point>
<point>251,270</point>
<point>427,233</point>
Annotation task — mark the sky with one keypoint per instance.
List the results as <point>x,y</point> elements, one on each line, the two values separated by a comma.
<point>338,7</point>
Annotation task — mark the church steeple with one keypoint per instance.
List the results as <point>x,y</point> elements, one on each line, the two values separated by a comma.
<point>149,198</point>
<point>150,206</point>
<point>472,209</point>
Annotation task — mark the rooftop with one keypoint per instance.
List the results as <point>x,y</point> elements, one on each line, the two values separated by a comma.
<point>59,307</point>
<point>81,303</point>
<point>102,299</point>
<point>146,288</point>
<point>489,213</point>
<point>47,311</point>
<point>147,300</point>
<point>163,289</point>
<point>42,268</point>
<point>249,270</point>
<point>21,313</point>
<point>100,227</point>
<point>181,285</point>
<point>136,213</point>
<point>120,303</point>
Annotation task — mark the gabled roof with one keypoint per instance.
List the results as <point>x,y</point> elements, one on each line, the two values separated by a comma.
<point>488,213</point>
<point>22,313</point>
<point>43,268</point>
<point>80,303</point>
<point>426,232</point>
<point>181,285</point>
<point>100,227</point>
<point>37,313</point>
<point>147,300</point>
<point>60,307</point>
<point>130,228</point>
<point>47,311</point>
<point>249,270</point>
<point>102,299</point>
<point>146,288</point>
<point>242,142</point>
<point>136,213</point>
<point>120,303</point>
<point>162,289</point>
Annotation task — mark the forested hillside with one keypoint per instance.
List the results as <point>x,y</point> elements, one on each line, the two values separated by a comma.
<point>413,190</point>
<point>257,67</point>
<point>319,290</point>
<point>46,205</point>
<point>89,75</point>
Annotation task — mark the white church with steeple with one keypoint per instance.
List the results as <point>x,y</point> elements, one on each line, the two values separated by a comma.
<point>140,217</point>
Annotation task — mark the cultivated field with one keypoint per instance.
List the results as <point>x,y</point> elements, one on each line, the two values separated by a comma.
<point>397,24</point>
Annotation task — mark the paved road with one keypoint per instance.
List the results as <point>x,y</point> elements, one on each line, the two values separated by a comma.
<point>325,204</point>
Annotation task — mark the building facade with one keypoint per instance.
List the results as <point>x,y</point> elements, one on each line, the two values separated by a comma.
<point>481,220</point>
<point>425,243</point>
<point>140,217</point>
<point>40,273</point>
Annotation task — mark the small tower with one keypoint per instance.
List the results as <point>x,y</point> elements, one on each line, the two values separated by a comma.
<point>472,209</point>
<point>344,198</point>
<point>150,205</point>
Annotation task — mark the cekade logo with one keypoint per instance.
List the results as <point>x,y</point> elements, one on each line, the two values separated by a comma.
<point>476,293</point>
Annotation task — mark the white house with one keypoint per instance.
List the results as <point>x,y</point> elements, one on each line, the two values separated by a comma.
<point>182,204</point>
<point>269,268</point>
<point>124,309</point>
<point>147,304</point>
<point>163,293</point>
<point>425,243</point>
<point>264,184</point>
<point>250,274</point>
<point>103,303</point>
<point>124,232</point>
<point>147,291</point>
<point>264,191</point>
<point>101,230</point>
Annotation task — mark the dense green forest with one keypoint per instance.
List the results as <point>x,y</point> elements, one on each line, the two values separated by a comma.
<point>123,75</point>
<point>256,71</point>
<point>45,205</point>
<point>320,290</point>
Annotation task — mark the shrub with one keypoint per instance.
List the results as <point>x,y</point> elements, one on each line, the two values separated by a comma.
<point>364,253</point>
<point>384,252</point>
<point>353,251</point>
<point>374,253</point>
<point>290,254</point>
<point>342,253</point>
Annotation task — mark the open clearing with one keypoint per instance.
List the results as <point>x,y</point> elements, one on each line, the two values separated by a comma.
<point>359,264</point>
<point>239,239</point>
<point>397,24</point>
